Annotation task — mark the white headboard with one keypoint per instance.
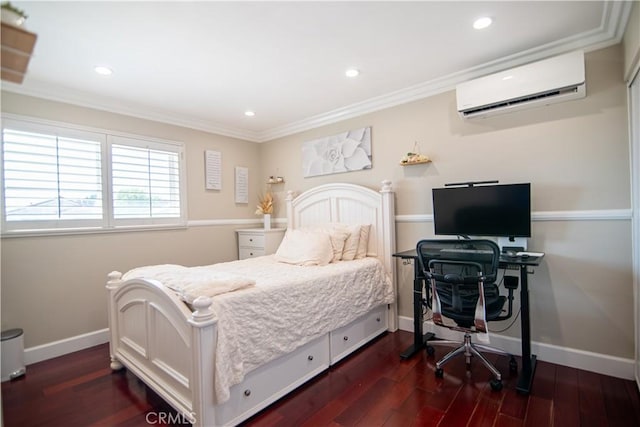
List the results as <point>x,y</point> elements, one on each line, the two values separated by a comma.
<point>352,204</point>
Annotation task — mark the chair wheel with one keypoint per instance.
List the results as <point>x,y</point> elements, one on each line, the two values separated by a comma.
<point>431,350</point>
<point>513,365</point>
<point>439,373</point>
<point>496,385</point>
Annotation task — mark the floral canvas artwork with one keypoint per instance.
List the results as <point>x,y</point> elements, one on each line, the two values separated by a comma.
<point>345,152</point>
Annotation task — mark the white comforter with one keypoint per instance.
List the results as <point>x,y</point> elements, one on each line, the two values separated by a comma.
<point>288,306</point>
<point>191,282</point>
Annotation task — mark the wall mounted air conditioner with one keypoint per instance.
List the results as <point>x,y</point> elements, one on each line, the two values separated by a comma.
<point>545,82</point>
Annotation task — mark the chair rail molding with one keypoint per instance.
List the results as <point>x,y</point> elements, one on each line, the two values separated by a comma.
<point>581,215</point>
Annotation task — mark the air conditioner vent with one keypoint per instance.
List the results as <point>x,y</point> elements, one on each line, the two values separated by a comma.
<point>528,99</point>
<point>540,83</point>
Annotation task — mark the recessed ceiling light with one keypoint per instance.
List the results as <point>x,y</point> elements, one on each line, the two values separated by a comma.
<point>352,72</point>
<point>481,23</point>
<point>103,71</point>
<point>249,113</point>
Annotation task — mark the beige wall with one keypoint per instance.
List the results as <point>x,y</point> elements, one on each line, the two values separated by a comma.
<point>574,153</point>
<point>53,287</point>
<point>576,156</point>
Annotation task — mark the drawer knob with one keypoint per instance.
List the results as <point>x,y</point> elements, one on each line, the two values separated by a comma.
<point>251,253</point>
<point>377,319</point>
<point>247,392</point>
<point>346,338</point>
<point>251,240</point>
<point>310,357</point>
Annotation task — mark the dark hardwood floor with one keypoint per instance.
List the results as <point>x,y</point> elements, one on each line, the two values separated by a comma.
<point>373,387</point>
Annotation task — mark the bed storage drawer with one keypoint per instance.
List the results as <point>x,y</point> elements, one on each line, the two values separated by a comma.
<point>262,386</point>
<point>348,338</point>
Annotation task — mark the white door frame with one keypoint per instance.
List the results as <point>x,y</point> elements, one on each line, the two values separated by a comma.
<point>634,138</point>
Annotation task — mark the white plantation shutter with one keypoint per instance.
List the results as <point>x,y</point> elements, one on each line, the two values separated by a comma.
<point>145,180</point>
<point>49,177</point>
<point>56,177</point>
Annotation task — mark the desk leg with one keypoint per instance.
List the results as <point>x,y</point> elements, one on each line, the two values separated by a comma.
<point>528,360</point>
<point>419,338</point>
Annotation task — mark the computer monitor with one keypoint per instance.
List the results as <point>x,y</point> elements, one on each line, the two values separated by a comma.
<point>483,210</point>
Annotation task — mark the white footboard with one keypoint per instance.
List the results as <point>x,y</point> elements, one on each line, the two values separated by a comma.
<point>170,348</point>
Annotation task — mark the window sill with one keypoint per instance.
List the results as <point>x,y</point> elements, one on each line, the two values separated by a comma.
<point>88,230</point>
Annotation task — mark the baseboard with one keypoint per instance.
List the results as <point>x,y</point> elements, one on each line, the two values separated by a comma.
<point>605,364</point>
<point>595,362</point>
<point>68,345</point>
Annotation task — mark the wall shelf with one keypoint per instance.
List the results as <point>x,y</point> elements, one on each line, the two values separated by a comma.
<point>275,180</point>
<point>17,47</point>
<point>419,162</point>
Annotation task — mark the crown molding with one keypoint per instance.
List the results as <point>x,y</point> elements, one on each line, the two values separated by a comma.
<point>615,16</point>
<point>614,19</point>
<point>38,89</point>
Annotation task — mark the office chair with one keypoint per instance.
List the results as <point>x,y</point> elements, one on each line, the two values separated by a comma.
<point>461,277</point>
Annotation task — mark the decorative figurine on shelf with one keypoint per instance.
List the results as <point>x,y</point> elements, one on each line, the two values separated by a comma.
<point>265,208</point>
<point>275,180</point>
<point>414,157</point>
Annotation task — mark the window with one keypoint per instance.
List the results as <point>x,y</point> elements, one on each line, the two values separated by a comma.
<point>60,178</point>
<point>145,180</point>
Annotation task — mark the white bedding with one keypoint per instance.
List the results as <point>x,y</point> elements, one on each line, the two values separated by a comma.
<point>191,282</point>
<point>289,306</point>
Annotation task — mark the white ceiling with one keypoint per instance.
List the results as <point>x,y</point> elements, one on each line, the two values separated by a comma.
<point>202,64</point>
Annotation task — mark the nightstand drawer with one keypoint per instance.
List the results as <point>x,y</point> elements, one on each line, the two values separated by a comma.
<point>250,253</point>
<point>251,240</point>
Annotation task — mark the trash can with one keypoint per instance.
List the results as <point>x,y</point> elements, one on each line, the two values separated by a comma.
<point>12,354</point>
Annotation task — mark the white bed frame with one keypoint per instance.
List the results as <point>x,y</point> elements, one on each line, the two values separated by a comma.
<point>169,347</point>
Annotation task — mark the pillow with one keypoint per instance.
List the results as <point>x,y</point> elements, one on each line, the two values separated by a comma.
<point>305,247</point>
<point>351,244</point>
<point>338,238</point>
<point>363,244</point>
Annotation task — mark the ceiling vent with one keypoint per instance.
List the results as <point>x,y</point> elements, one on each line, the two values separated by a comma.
<point>545,82</point>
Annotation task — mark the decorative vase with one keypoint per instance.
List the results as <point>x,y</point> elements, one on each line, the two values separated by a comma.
<point>267,221</point>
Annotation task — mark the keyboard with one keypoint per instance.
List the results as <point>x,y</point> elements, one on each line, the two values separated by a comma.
<point>536,254</point>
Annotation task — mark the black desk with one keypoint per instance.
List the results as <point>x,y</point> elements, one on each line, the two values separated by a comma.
<point>419,338</point>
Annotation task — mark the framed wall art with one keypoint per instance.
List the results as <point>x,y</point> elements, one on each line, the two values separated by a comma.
<point>345,152</point>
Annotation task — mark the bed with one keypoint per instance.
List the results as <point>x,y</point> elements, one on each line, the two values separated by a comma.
<point>209,365</point>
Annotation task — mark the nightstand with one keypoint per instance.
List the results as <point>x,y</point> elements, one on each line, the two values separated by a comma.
<point>253,242</point>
